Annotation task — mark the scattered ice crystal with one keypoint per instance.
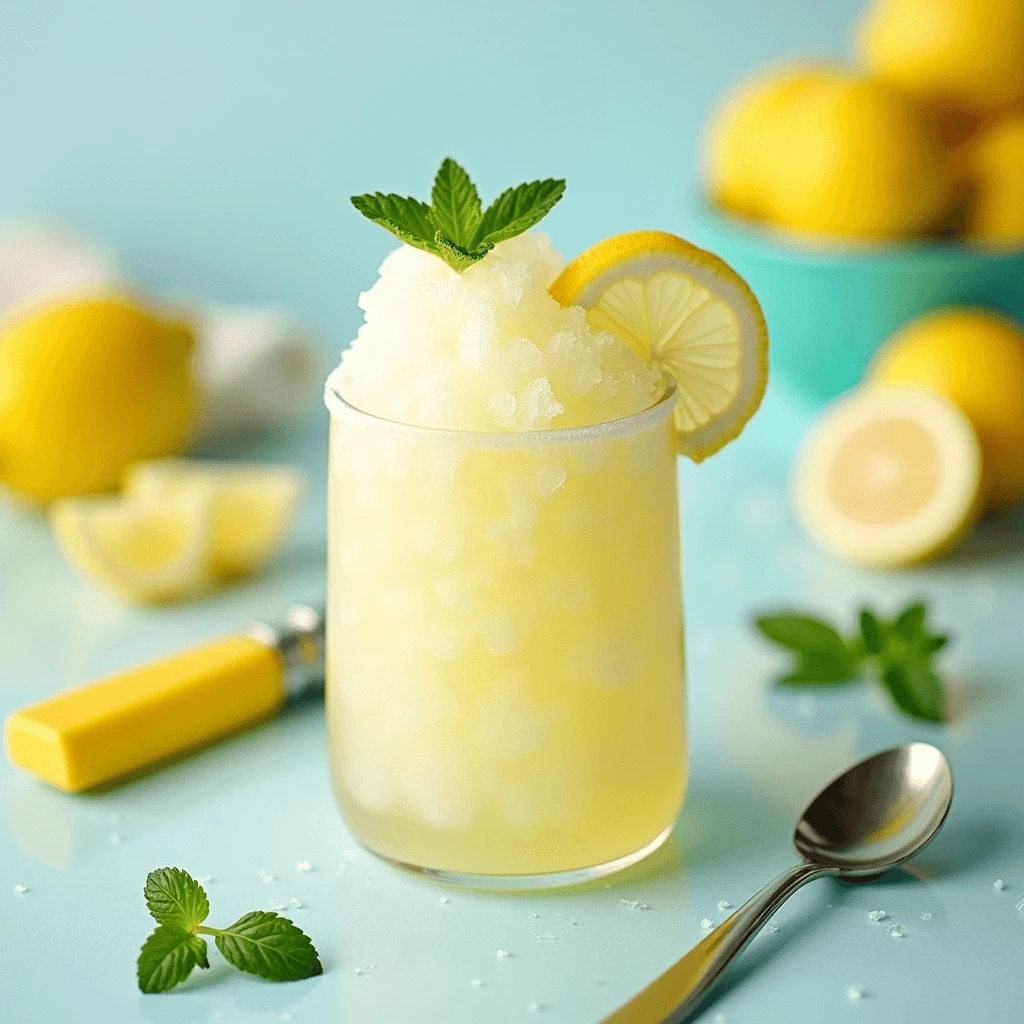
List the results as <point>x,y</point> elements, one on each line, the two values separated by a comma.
<point>303,865</point>
<point>267,876</point>
<point>707,924</point>
<point>724,904</point>
<point>632,904</point>
<point>295,903</point>
<point>348,855</point>
<point>534,915</point>
<point>204,879</point>
<point>771,928</point>
<point>503,954</point>
<point>573,922</point>
<point>535,1007</point>
<point>855,993</point>
<point>1020,903</point>
<point>926,915</point>
<point>477,983</point>
<point>999,884</point>
<point>897,931</point>
<point>21,889</point>
<point>547,937</point>
<point>114,817</point>
<point>275,905</point>
<point>876,915</point>
<point>443,900</point>
<point>115,839</point>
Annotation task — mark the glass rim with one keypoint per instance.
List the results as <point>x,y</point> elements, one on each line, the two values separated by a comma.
<point>608,430</point>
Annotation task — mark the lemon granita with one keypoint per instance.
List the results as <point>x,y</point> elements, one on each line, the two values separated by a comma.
<point>488,349</point>
<point>504,643</point>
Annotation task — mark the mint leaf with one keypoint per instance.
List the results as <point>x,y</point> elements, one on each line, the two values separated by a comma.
<point>175,897</point>
<point>871,632</point>
<point>917,692</point>
<point>168,956</point>
<point>517,210</point>
<point>408,219</point>
<point>273,947</point>
<point>910,622</point>
<point>455,204</point>
<point>455,256</point>
<point>823,656</point>
<point>815,670</point>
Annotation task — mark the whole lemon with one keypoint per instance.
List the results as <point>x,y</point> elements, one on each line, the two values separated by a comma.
<point>957,54</point>
<point>994,168</point>
<point>854,157</point>
<point>738,131</point>
<point>87,387</point>
<point>975,358</point>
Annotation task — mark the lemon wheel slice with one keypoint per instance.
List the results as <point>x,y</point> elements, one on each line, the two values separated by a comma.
<point>147,553</point>
<point>686,311</point>
<point>889,477</point>
<point>252,505</point>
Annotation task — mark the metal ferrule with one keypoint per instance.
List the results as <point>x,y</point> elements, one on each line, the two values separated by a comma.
<point>299,640</point>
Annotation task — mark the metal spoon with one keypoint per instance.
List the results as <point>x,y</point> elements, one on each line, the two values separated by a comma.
<point>876,815</point>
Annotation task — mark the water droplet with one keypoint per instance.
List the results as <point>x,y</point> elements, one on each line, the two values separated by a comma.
<point>855,993</point>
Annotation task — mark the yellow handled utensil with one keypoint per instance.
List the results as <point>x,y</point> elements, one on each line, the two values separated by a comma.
<point>82,738</point>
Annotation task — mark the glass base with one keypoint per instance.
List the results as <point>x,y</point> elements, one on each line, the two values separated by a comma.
<point>523,883</point>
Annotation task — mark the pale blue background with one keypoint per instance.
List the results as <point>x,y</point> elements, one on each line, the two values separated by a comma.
<point>215,145</point>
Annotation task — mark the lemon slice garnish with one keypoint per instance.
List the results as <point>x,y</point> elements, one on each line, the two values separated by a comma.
<point>252,505</point>
<point>889,476</point>
<point>685,311</point>
<point>147,553</point>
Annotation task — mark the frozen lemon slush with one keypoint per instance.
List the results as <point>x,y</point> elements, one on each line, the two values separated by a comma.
<point>505,653</point>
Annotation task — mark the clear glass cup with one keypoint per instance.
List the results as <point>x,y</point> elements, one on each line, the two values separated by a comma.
<point>505,687</point>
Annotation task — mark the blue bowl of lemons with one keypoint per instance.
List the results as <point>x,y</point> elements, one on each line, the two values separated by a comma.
<point>829,307</point>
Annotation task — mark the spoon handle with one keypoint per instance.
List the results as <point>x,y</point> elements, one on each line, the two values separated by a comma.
<point>671,998</point>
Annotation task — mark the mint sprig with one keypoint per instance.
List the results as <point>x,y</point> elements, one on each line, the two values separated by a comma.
<point>454,226</point>
<point>898,653</point>
<point>260,942</point>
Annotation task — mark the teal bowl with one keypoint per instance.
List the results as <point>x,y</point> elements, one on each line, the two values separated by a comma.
<point>829,307</point>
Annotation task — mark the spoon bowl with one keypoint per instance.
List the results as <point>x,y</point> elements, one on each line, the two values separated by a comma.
<point>878,813</point>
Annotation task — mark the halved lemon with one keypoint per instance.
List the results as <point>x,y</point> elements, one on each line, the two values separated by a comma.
<point>252,505</point>
<point>889,477</point>
<point>686,311</point>
<point>147,553</point>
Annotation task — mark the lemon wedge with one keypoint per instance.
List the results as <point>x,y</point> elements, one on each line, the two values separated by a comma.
<point>147,553</point>
<point>889,476</point>
<point>686,311</point>
<point>251,505</point>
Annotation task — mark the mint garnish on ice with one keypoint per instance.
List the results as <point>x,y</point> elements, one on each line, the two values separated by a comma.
<point>454,226</point>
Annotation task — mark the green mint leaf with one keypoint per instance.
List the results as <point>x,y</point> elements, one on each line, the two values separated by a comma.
<point>175,897</point>
<point>407,219</point>
<point>872,635</point>
<point>455,256</point>
<point>168,956</point>
<point>917,692</point>
<point>909,623</point>
<point>813,670</point>
<point>273,947</point>
<point>517,210</point>
<point>455,204</point>
<point>931,644</point>
<point>805,635</point>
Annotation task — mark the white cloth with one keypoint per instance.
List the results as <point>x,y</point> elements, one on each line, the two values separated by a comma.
<point>257,367</point>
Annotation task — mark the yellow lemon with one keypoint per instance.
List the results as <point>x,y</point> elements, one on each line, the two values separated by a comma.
<point>251,505</point>
<point>149,553</point>
<point>975,358</point>
<point>994,168</point>
<point>738,132</point>
<point>855,158</point>
<point>88,386</point>
<point>889,477</point>
<point>685,311</point>
<point>957,54</point>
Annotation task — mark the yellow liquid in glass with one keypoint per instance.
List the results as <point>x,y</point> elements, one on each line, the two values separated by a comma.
<point>505,659</point>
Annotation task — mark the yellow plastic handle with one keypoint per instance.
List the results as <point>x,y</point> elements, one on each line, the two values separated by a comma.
<point>85,737</point>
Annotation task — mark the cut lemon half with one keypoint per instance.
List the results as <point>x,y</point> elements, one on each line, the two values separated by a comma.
<point>146,553</point>
<point>686,311</point>
<point>252,505</point>
<point>889,477</point>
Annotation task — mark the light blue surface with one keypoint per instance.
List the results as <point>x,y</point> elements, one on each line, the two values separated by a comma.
<point>829,309</point>
<point>215,145</point>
